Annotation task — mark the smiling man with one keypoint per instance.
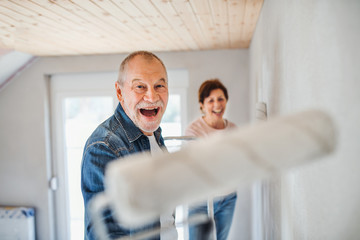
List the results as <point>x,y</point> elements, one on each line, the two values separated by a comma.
<point>142,91</point>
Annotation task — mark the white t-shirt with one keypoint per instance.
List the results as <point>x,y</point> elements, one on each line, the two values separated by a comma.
<point>154,146</point>
<point>167,221</point>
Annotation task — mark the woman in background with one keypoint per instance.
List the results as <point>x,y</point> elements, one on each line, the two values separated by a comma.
<point>213,98</point>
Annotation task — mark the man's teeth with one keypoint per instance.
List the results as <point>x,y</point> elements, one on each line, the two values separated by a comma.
<point>217,111</point>
<point>149,111</point>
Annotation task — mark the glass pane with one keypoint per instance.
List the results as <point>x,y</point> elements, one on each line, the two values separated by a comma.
<point>171,122</point>
<point>82,116</point>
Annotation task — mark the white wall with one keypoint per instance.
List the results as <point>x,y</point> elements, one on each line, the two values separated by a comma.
<point>25,153</point>
<point>230,66</point>
<point>12,62</point>
<point>306,54</point>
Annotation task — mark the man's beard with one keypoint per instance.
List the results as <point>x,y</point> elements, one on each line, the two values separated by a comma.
<point>136,116</point>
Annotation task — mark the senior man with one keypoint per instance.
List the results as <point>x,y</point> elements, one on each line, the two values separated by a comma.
<point>142,91</point>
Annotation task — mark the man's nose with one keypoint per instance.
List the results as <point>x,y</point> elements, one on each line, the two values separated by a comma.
<point>151,95</point>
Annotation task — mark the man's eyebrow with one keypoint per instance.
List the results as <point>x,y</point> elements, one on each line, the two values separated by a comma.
<point>162,80</point>
<point>140,80</point>
<point>136,80</point>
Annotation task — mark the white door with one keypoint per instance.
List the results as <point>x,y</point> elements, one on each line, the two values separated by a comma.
<point>79,103</point>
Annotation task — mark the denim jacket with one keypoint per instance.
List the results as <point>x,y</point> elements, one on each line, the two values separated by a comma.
<point>115,138</point>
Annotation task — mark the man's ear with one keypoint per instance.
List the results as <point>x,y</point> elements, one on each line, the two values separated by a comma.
<point>118,91</point>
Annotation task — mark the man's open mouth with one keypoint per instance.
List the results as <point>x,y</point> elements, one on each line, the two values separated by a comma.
<point>149,112</point>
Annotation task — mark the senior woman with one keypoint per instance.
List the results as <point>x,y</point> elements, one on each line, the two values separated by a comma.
<point>213,97</point>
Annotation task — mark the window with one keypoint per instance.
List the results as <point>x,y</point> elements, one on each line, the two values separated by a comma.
<point>79,103</point>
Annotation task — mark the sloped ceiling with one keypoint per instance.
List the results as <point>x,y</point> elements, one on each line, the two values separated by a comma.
<point>11,64</point>
<point>69,27</point>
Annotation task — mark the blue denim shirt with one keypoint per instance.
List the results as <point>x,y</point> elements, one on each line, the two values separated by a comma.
<point>115,138</point>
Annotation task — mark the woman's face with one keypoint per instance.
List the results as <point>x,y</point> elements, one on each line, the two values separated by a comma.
<point>214,105</point>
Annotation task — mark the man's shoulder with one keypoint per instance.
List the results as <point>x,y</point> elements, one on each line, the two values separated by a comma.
<point>110,134</point>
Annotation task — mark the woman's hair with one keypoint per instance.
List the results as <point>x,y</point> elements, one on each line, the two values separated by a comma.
<point>209,85</point>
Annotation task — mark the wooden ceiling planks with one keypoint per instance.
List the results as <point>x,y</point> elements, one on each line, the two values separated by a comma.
<point>93,20</point>
<point>160,25</point>
<point>167,10</point>
<point>236,23</point>
<point>220,14</point>
<point>53,31</point>
<point>190,22</point>
<point>141,25</point>
<point>65,27</point>
<point>202,12</point>
<point>252,12</point>
<point>20,21</point>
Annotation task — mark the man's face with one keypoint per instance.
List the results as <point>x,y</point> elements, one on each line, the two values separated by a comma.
<point>144,94</point>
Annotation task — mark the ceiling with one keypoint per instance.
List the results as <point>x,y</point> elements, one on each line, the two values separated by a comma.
<point>70,27</point>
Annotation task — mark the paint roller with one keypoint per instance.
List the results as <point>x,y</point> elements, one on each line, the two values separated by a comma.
<point>141,187</point>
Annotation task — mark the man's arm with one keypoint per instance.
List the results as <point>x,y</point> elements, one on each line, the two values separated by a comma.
<point>96,157</point>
